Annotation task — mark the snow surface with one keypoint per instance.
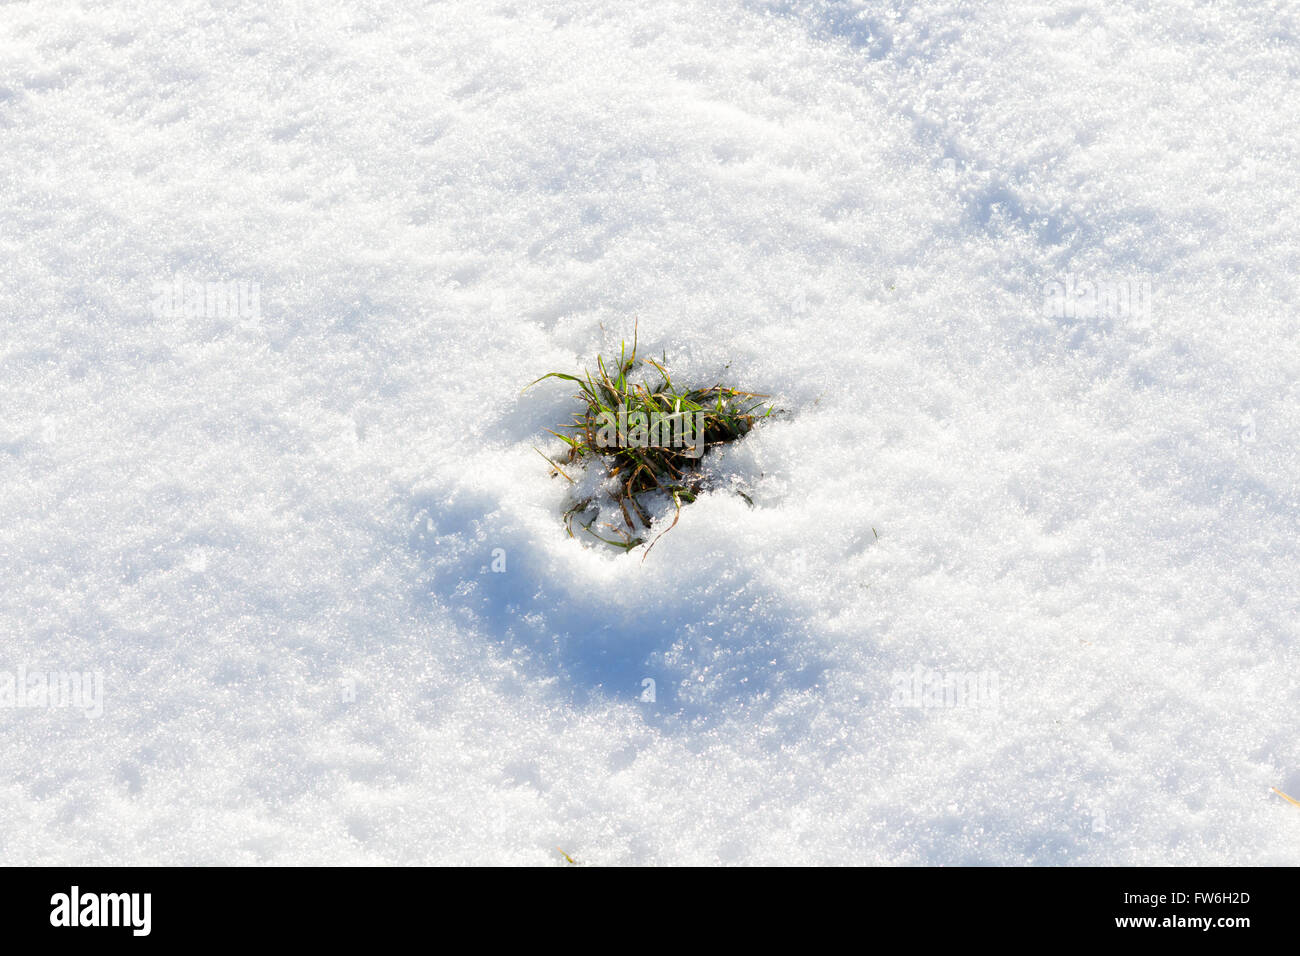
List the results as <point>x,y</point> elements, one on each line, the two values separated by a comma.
<point>274,536</point>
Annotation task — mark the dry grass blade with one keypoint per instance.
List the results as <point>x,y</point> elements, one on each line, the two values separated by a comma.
<point>554,465</point>
<point>1290,800</point>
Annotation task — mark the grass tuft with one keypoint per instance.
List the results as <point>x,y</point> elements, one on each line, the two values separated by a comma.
<point>615,402</point>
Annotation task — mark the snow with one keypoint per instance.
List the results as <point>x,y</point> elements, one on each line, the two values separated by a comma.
<point>272,531</point>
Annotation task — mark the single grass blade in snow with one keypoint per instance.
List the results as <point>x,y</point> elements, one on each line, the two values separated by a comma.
<point>553,465</point>
<point>571,860</point>
<point>1290,800</point>
<point>649,437</point>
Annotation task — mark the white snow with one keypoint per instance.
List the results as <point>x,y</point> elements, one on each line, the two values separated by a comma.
<point>273,534</point>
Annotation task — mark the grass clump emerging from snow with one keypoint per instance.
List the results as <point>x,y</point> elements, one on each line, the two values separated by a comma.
<point>649,439</point>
